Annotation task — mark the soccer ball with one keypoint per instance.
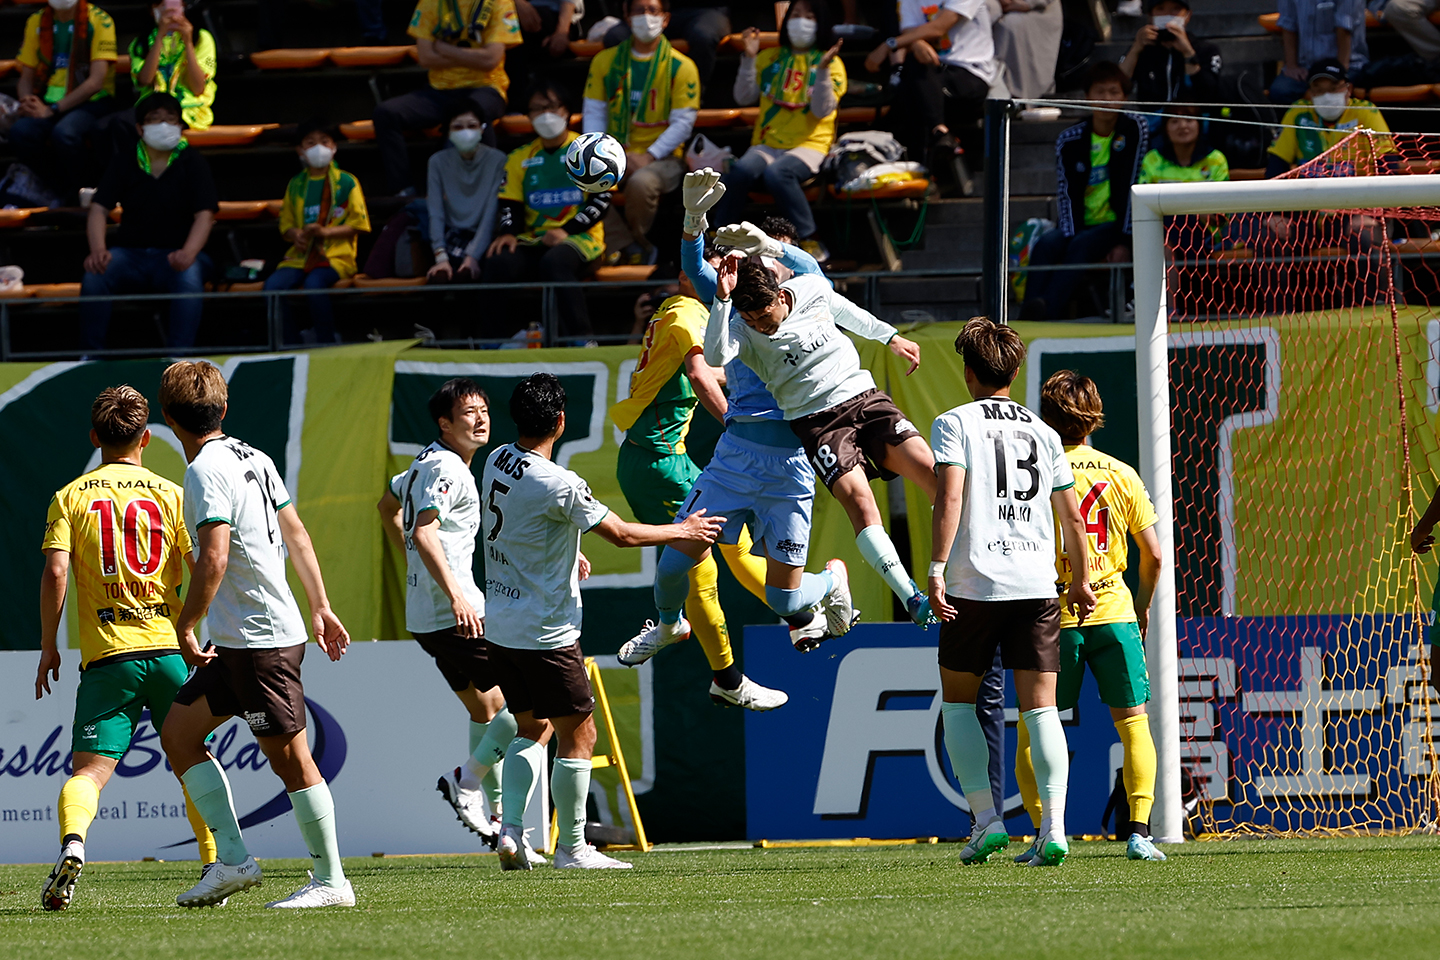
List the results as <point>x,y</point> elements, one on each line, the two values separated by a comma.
<point>595,162</point>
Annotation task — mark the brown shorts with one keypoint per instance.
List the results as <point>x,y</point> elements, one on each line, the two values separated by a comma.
<point>859,431</point>
<point>260,685</point>
<point>548,683</point>
<point>1027,632</point>
<point>462,661</point>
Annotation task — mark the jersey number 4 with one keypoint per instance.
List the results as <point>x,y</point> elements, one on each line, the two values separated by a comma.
<point>130,537</point>
<point>1098,526</point>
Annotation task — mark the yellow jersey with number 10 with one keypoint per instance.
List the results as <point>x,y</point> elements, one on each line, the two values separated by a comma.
<point>1113,504</point>
<point>124,529</point>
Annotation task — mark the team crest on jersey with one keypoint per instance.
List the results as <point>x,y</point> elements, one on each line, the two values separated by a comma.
<point>1119,143</point>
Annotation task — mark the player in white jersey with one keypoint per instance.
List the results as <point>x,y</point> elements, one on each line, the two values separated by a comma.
<point>790,335</point>
<point>535,512</point>
<point>992,580</point>
<point>243,524</point>
<point>432,513</point>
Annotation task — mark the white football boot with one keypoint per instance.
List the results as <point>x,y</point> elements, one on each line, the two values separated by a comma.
<point>985,840</point>
<point>586,857</point>
<point>316,894</point>
<point>838,607</point>
<point>472,807</point>
<point>750,695</point>
<point>515,850</point>
<point>653,638</point>
<point>60,886</point>
<point>220,882</point>
<point>206,868</point>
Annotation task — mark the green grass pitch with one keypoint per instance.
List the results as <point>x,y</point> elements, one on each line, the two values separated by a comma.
<point>1274,899</point>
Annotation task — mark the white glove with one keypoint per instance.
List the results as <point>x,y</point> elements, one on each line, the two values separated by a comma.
<point>701,190</point>
<point>749,240</point>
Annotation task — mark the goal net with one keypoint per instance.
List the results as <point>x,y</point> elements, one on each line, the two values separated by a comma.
<point>1304,392</point>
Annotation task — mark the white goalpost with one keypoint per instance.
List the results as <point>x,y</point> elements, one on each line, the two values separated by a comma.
<point>1150,204</point>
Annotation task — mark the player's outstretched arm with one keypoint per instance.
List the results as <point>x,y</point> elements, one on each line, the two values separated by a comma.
<point>721,343</point>
<point>1081,598</point>
<point>944,524</point>
<point>390,507</point>
<point>696,528</point>
<point>427,544</point>
<point>705,379</point>
<point>53,583</point>
<point>329,631</point>
<point>1148,543</point>
<point>1422,538</point>
<point>205,576</point>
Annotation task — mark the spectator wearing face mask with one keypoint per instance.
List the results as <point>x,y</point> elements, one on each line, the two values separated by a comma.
<point>1326,115</point>
<point>322,215</point>
<point>699,24</point>
<point>645,94</point>
<point>798,85</point>
<point>169,200</point>
<point>461,198</point>
<point>1313,31</point>
<point>546,228</point>
<point>66,88</point>
<point>1166,64</point>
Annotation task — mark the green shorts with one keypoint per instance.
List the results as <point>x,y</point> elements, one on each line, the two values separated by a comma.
<point>112,696</point>
<point>654,484</point>
<point>1116,656</point>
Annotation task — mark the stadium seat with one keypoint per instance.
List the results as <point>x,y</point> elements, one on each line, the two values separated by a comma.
<point>242,209</point>
<point>1419,93</point>
<point>122,65</point>
<point>8,66</point>
<point>297,59</point>
<point>17,293</point>
<point>585,49</point>
<point>361,280</point>
<point>225,135</point>
<point>365,130</point>
<point>16,217</point>
<point>907,190</point>
<point>371,56</point>
<point>717,117</point>
<point>272,207</point>
<point>518,124</point>
<point>1247,173</point>
<point>623,274</point>
<point>735,42</point>
<point>43,291</point>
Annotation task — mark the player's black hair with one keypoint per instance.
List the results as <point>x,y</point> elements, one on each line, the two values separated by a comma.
<point>536,405</point>
<point>779,228</point>
<point>316,125</point>
<point>442,402</point>
<point>756,287</point>
<point>547,89</point>
<point>992,351</point>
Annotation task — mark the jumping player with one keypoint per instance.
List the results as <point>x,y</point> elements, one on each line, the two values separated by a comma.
<point>1113,502</point>
<point>656,475</point>
<point>789,334</point>
<point>243,523</point>
<point>121,529</point>
<point>992,580</point>
<point>535,513</point>
<point>432,512</point>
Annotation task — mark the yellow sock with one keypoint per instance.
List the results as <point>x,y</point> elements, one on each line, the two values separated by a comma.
<point>79,799</point>
<point>1025,775</point>
<point>747,568</point>
<point>707,620</point>
<point>1139,770</point>
<point>203,837</point>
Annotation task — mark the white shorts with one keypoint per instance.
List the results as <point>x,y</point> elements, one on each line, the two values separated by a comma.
<point>770,489</point>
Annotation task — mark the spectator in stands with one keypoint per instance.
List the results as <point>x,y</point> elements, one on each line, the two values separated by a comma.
<point>1096,162</point>
<point>546,228</point>
<point>1168,65</point>
<point>699,24</point>
<point>463,45</point>
<point>546,27</point>
<point>1027,42</point>
<point>67,86</point>
<point>645,94</point>
<point>1325,116</point>
<point>798,85</point>
<point>1183,155</point>
<point>949,67</point>
<point>1312,32</point>
<point>1411,19</point>
<point>461,198</point>
<point>177,57</point>
<point>169,200</point>
<point>322,215</point>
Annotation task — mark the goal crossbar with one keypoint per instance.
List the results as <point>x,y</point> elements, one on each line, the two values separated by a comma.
<point>1150,204</point>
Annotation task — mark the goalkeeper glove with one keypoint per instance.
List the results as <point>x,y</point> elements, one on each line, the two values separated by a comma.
<point>701,190</point>
<point>749,240</point>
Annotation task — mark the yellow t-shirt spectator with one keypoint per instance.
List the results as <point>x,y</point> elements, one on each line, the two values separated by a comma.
<point>50,57</point>
<point>195,108</point>
<point>640,93</point>
<point>1315,135</point>
<point>473,23</point>
<point>785,77</point>
<point>304,200</point>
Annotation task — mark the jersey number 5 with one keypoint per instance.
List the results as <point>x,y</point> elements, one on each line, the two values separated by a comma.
<point>497,489</point>
<point>130,539</point>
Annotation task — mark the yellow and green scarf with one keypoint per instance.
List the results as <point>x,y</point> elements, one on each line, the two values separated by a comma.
<point>787,81</point>
<point>452,26</point>
<point>142,156</point>
<point>619,115</point>
<point>332,209</point>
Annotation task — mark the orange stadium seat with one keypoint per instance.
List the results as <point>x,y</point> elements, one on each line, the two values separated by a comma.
<point>1247,173</point>
<point>122,65</point>
<point>43,291</point>
<point>297,59</point>
<point>723,117</point>
<point>623,274</point>
<point>223,135</point>
<point>736,42</point>
<point>1419,93</point>
<point>359,130</point>
<point>242,209</point>
<point>370,56</point>
<point>16,217</point>
<point>364,282</point>
<point>906,190</point>
<point>8,66</point>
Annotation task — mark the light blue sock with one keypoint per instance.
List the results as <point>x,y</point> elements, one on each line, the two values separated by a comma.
<point>522,769</point>
<point>878,550</point>
<point>672,584</point>
<point>491,750</point>
<point>813,587</point>
<point>969,757</point>
<point>210,792</point>
<point>1050,756</point>
<point>315,814</point>
<point>570,788</point>
<point>477,733</point>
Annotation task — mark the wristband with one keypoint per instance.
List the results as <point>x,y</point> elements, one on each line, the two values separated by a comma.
<point>937,569</point>
<point>695,224</point>
<point>442,257</point>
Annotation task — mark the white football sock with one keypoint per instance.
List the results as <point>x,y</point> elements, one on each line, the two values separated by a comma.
<point>970,758</point>
<point>1050,756</point>
<point>522,769</point>
<point>878,550</point>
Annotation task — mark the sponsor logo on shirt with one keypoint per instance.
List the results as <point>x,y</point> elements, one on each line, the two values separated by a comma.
<point>790,548</point>
<point>105,615</point>
<point>563,197</point>
<point>502,590</point>
<point>1008,547</point>
<point>904,426</point>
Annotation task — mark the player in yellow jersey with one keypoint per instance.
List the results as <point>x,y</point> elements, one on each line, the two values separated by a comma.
<point>1113,503</point>
<point>120,529</point>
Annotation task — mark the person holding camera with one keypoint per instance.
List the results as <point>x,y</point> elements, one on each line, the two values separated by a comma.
<point>462,43</point>
<point>1166,64</point>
